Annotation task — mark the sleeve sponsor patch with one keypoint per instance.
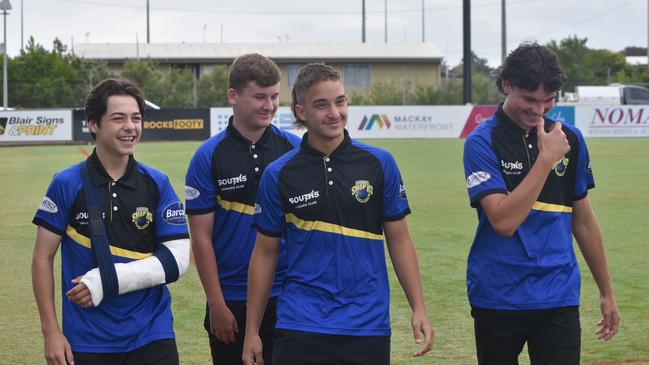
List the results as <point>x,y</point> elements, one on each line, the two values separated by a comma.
<point>402,191</point>
<point>174,214</point>
<point>258,209</point>
<point>47,205</point>
<point>477,178</point>
<point>191,193</point>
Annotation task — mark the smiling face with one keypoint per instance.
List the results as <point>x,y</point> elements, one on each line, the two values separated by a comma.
<point>324,112</point>
<point>119,129</point>
<point>527,108</point>
<point>254,106</point>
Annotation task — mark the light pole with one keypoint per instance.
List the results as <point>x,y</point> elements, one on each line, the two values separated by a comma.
<point>4,6</point>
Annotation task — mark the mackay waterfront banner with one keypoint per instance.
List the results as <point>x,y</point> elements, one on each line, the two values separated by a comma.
<point>377,121</point>
<point>18,126</point>
<point>613,121</point>
<point>443,121</point>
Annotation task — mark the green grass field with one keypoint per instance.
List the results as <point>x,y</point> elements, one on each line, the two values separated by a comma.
<point>442,224</point>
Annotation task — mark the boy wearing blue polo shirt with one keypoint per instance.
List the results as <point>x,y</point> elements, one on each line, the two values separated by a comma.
<point>332,199</point>
<point>528,178</point>
<point>221,187</point>
<point>147,245</point>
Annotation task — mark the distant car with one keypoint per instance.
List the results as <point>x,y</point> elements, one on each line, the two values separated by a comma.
<point>614,94</point>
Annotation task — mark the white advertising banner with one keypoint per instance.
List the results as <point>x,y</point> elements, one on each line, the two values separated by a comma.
<point>613,121</point>
<point>35,125</point>
<point>377,121</point>
<point>283,119</point>
<point>407,121</point>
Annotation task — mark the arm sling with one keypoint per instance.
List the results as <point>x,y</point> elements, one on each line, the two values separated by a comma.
<point>98,236</point>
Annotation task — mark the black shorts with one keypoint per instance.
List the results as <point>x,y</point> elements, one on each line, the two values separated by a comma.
<point>230,354</point>
<point>162,352</point>
<point>553,336</point>
<point>303,348</point>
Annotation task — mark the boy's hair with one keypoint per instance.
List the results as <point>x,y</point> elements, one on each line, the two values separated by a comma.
<point>253,67</point>
<point>309,75</point>
<point>97,99</point>
<point>530,66</point>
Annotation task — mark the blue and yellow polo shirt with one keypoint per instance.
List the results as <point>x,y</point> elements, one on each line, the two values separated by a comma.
<point>223,177</point>
<point>141,210</point>
<point>331,210</point>
<point>536,268</point>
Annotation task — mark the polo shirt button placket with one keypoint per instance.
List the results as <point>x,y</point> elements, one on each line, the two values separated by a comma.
<point>328,170</point>
<point>255,157</point>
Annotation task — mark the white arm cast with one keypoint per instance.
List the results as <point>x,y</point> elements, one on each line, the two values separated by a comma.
<point>139,274</point>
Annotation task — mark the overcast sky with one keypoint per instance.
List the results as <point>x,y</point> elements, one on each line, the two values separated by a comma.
<point>611,24</point>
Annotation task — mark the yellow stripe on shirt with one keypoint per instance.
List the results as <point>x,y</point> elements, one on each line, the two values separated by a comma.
<point>115,251</point>
<point>236,206</point>
<point>547,207</point>
<point>331,228</point>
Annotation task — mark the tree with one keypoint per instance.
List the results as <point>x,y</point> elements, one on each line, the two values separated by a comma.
<point>585,66</point>
<point>478,65</point>
<point>39,78</point>
<point>177,88</point>
<point>144,75</point>
<point>212,89</point>
<point>635,51</point>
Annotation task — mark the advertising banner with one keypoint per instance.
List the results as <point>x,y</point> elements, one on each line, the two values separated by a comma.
<point>479,114</point>
<point>407,121</point>
<point>613,121</point>
<point>160,125</point>
<point>283,119</point>
<point>35,125</point>
<point>563,113</point>
<point>377,121</point>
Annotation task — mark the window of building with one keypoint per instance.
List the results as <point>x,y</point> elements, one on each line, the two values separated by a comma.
<point>357,75</point>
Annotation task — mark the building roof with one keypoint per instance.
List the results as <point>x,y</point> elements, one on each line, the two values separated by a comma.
<point>280,52</point>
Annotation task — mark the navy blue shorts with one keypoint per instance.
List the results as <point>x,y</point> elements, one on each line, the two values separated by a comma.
<point>304,348</point>
<point>230,354</point>
<point>162,352</point>
<point>553,336</point>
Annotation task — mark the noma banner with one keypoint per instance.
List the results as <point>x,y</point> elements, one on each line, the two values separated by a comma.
<point>613,121</point>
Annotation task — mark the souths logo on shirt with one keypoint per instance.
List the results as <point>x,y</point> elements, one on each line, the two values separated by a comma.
<point>362,191</point>
<point>477,178</point>
<point>230,183</point>
<point>561,166</point>
<point>47,205</point>
<point>82,217</point>
<point>142,217</point>
<point>305,199</point>
<point>512,168</point>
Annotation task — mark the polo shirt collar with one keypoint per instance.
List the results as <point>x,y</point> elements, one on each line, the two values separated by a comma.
<point>100,176</point>
<point>507,122</point>
<point>243,142</point>
<point>342,147</point>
